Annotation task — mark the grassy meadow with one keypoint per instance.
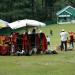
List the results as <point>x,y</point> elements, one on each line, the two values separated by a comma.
<point>62,63</point>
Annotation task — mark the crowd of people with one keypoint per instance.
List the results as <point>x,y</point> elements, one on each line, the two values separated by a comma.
<point>29,42</point>
<point>67,39</point>
<point>37,41</point>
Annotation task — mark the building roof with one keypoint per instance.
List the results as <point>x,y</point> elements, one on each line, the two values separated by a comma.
<point>67,10</point>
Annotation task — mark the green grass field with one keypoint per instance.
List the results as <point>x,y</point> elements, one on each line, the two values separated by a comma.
<point>62,63</point>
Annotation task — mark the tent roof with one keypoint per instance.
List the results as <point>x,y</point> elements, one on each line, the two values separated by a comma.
<point>69,10</point>
<point>24,23</point>
<point>3,24</point>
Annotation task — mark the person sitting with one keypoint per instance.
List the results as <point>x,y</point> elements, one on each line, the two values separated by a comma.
<point>20,52</point>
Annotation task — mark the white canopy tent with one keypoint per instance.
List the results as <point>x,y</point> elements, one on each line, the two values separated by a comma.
<point>35,23</point>
<point>3,24</point>
<point>26,22</point>
<point>17,24</point>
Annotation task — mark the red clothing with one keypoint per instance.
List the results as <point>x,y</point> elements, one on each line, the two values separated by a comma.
<point>26,42</point>
<point>44,42</point>
<point>4,49</point>
<point>71,36</point>
<point>14,40</point>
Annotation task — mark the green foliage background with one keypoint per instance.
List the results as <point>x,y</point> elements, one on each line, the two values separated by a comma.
<point>11,10</point>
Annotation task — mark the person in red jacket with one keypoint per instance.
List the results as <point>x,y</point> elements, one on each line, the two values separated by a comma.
<point>71,34</point>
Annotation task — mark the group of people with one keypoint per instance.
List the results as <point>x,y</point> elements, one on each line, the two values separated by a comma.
<point>65,39</point>
<point>28,42</point>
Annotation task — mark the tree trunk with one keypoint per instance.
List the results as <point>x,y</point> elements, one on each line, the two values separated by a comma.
<point>34,8</point>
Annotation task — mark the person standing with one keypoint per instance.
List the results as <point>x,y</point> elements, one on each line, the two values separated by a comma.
<point>48,40</point>
<point>71,35</point>
<point>51,32</point>
<point>64,36</point>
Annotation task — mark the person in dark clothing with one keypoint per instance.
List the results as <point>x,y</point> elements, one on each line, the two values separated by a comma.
<point>51,32</point>
<point>33,37</point>
<point>19,42</point>
<point>33,41</point>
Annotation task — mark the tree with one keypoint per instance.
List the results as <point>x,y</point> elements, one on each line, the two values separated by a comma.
<point>12,10</point>
<point>72,2</point>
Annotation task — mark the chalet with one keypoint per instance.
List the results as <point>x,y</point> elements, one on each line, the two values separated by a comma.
<point>66,15</point>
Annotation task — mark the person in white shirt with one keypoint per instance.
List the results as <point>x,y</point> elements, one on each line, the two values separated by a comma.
<point>64,36</point>
<point>48,40</point>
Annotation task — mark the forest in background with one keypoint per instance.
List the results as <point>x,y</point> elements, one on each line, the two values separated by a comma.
<point>42,10</point>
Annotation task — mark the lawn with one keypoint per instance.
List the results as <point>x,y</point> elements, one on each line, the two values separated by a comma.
<point>62,63</point>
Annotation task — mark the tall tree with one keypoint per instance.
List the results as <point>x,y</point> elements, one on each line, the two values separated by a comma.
<point>72,2</point>
<point>34,8</point>
<point>49,7</point>
<point>12,10</point>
